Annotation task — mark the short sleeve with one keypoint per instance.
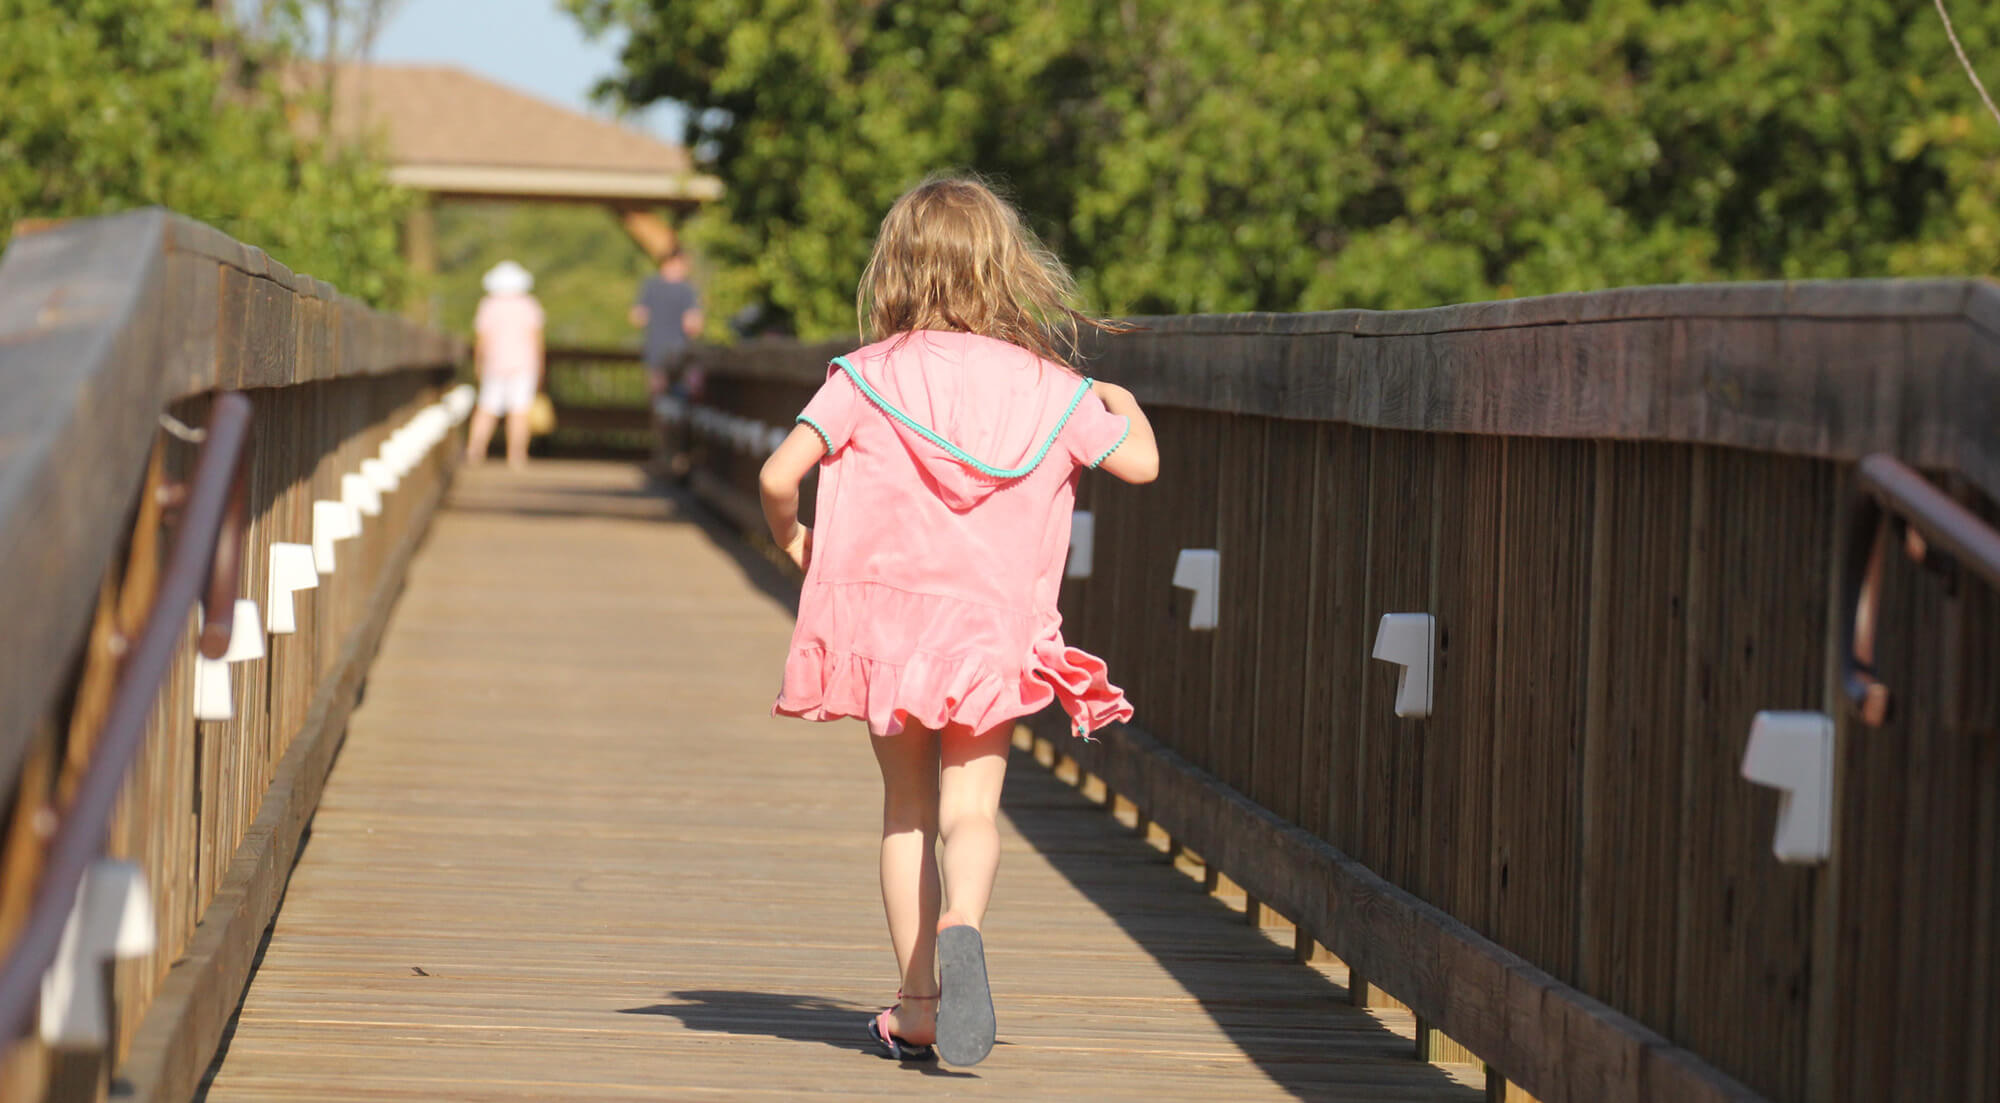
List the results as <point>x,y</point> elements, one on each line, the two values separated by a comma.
<point>1094,432</point>
<point>537,319</point>
<point>832,411</point>
<point>483,317</point>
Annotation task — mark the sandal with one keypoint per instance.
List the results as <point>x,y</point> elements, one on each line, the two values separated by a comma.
<point>896,1047</point>
<point>965,1029</point>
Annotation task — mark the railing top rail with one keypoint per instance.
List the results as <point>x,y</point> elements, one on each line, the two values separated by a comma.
<point>1836,369</point>
<point>104,322</point>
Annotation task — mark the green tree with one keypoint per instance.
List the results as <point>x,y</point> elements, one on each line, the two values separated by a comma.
<point>1296,154</point>
<point>113,104</point>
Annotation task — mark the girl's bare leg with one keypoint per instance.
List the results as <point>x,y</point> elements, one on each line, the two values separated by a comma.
<point>479,435</point>
<point>517,439</point>
<point>909,763</point>
<point>968,811</point>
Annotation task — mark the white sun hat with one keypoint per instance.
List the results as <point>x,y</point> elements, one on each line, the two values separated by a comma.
<point>508,278</point>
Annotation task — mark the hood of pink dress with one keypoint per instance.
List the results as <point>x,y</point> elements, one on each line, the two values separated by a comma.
<point>975,413</point>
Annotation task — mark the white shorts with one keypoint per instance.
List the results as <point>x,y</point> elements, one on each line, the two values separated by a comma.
<point>507,394</point>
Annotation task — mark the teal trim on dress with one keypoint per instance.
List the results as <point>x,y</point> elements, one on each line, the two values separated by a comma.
<point>1114,446</point>
<point>953,450</point>
<point>823,438</point>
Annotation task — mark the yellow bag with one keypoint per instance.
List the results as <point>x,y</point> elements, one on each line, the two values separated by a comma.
<point>541,415</point>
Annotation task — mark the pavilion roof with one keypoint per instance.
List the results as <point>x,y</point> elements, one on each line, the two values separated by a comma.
<point>453,133</point>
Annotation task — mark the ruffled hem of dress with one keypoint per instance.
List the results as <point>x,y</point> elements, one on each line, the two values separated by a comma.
<point>936,691</point>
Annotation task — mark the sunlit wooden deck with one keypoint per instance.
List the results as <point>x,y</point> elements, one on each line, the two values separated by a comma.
<point>565,855</point>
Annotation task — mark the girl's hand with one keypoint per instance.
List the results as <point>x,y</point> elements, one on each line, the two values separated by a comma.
<point>800,549</point>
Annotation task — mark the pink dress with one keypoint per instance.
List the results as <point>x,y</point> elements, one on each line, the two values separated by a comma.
<point>942,528</point>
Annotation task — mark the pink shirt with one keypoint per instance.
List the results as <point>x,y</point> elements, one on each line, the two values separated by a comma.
<point>942,528</point>
<point>509,329</point>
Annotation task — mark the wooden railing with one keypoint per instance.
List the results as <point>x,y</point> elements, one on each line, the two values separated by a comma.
<point>123,341</point>
<point>600,401</point>
<point>1627,513</point>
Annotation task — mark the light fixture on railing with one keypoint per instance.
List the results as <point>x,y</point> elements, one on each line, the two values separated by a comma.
<point>358,492</point>
<point>1200,570</point>
<point>380,475</point>
<point>333,521</point>
<point>111,918</point>
<point>459,401</point>
<point>1410,641</point>
<point>292,570</point>
<point>1082,544</point>
<point>214,696</point>
<point>1793,753</point>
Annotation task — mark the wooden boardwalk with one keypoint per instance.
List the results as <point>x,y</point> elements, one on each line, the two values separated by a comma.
<point>565,855</point>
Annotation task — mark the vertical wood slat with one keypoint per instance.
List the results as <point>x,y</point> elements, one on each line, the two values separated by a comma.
<point>1241,534</point>
<point>1764,552</point>
<point>1631,776</point>
<point>1387,790</point>
<point>1284,579</point>
<point>1468,505</point>
<point>1339,630</point>
<point>1539,650</point>
<point>1978,708</point>
<point>1184,655</point>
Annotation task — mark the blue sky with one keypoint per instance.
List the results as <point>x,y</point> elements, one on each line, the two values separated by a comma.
<point>531,44</point>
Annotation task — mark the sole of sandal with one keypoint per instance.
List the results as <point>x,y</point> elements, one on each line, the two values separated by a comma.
<point>965,1025</point>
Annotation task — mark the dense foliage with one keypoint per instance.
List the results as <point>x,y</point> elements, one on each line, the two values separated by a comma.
<point>107,105</point>
<point>1191,155</point>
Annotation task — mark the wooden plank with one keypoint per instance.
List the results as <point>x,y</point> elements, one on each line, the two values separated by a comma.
<point>1189,463</point>
<point>1540,652</point>
<point>1287,572</point>
<point>1919,658</point>
<point>1760,566</point>
<point>1241,535</point>
<point>1469,499</point>
<point>1630,827</point>
<point>1340,637</point>
<point>1978,710</point>
<point>1390,751</point>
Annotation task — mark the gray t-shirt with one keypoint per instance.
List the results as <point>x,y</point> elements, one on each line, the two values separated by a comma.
<point>665,302</point>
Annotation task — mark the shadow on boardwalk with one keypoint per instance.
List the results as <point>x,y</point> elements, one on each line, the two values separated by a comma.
<point>1271,1007</point>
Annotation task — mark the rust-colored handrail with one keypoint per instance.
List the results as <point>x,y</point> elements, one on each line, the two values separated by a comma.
<point>216,494</point>
<point>1936,530</point>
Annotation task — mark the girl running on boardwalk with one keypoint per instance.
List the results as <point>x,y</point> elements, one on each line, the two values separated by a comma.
<point>948,452</point>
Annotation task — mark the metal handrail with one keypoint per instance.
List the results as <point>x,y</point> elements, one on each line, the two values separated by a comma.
<point>1936,530</point>
<point>214,504</point>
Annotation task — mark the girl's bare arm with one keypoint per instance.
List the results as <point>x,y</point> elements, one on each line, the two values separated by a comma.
<point>1137,460</point>
<point>778,486</point>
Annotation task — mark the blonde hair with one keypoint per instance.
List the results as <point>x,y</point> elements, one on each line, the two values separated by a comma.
<point>953,255</point>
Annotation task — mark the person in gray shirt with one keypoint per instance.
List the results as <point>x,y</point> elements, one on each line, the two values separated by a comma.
<point>670,312</point>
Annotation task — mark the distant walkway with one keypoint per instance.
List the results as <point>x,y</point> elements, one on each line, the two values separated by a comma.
<point>565,855</point>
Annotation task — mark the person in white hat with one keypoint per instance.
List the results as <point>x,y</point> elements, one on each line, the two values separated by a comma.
<point>507,352</point>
